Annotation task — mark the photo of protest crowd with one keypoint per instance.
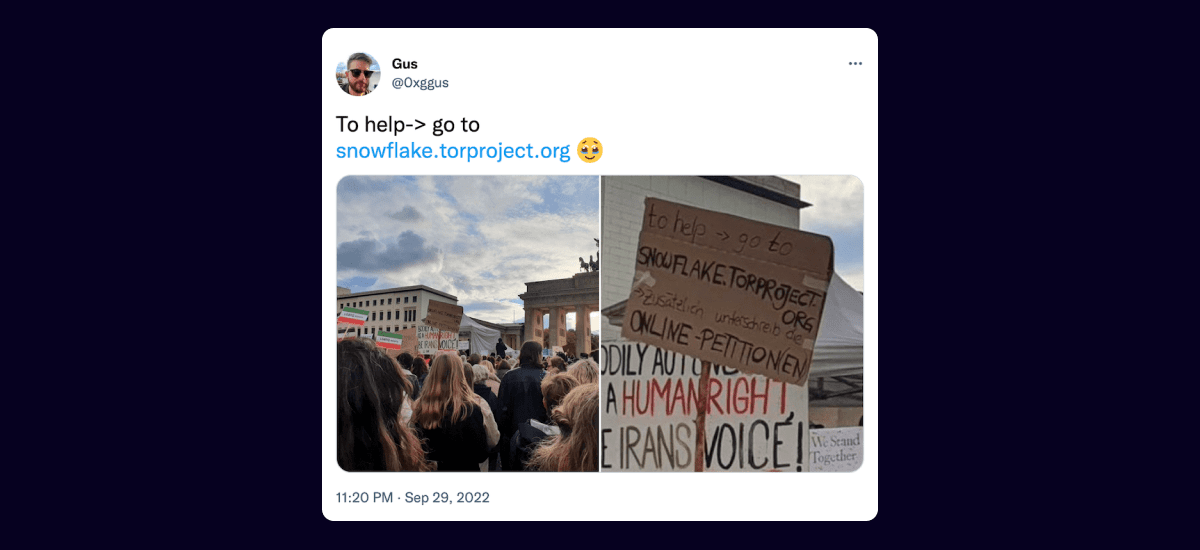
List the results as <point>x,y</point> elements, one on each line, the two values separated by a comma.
<point>464,339</point>
<point>397,412</point>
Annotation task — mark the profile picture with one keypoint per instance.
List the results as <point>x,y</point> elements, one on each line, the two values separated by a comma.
<point>358,74</point>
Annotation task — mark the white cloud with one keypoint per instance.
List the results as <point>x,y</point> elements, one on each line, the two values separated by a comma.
<point>489,238</point>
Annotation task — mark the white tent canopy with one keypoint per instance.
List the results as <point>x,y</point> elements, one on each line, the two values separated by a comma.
<point>483,338</point>
<point>839,347</point>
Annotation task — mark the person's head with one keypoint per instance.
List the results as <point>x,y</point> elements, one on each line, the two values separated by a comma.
<point>557,365</point>
<point>554,388</point>
<point>481,373</point>
<point>406,361</point>
<point>371,434</point>
<point>574,450</point>
<point>468,373</point>
<point>531,353</point>
<point>500,340</point>
<point>501,364</point>
<point>418,366</point>
<point>358,73</point>
<point>474,360</point>
<point>585,371</point>
<point>446,389</point>
<point>488,365</point>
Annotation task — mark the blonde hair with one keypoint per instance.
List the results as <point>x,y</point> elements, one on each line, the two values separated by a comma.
<point>555,387</point>
<point>586,371</point>
<point>480,372</point>
<point>575,450</point>
<point>445,390</point>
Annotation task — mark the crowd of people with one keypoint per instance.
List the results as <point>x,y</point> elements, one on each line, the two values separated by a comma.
<point>400,412</point>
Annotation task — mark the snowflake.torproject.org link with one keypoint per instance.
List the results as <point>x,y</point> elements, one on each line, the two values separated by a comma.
<point>394,150</point>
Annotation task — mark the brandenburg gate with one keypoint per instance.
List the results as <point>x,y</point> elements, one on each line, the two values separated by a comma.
<point>580,293</point>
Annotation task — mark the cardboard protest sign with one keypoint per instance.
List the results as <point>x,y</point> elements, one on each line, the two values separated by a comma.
<point>409,342</point>
<point>389,340</point>
<point>649,399</point>
<point>729,290</point>
<point>427,340</point>
<point>353,316</point>
<point>431,341</point>
<point>444,316</point>
<point>835,449</point>
<point>448,342</point>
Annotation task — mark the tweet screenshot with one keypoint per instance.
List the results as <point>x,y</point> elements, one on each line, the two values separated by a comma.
<point>599,274</point>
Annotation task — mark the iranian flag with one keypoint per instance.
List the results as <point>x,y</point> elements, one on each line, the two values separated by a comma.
<point>353,316</point>
<point>388,340</point>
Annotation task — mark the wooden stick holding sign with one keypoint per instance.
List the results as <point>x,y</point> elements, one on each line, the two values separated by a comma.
<point>701,414</point>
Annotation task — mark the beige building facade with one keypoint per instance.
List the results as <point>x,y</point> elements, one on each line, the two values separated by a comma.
<point>392,309</point>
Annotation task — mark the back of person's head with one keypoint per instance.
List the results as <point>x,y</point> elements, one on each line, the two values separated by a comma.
<point>488,365</point>
<point>406,360</point>
<point>370,394</point>
<point>558,364</point>
<point>474,360</point>
<point>586,371</point>
<point>418,366</point>
<point>481,373</point>
<point>445,390</point>
<point>554,388</point>
<point>531,353</point>
<point>574,450</point>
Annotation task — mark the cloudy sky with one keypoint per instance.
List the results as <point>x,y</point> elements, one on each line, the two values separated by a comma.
<point>478,238</point>
<point>836,211</point>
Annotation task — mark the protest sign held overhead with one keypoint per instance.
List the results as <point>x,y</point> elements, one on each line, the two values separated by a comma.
<point>729,290</point>
<point>353,316</point>
<point>431,341</point>
<point>444,316</point>
<point>389,340</point>
<point>409,340</point>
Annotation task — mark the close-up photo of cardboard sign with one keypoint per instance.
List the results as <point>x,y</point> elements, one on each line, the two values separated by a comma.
<point>729,290</point>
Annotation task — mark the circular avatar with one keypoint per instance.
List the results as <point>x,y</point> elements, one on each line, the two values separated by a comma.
<point>590,150</point>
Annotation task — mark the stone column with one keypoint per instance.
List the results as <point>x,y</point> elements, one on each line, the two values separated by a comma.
<point>558,326</point>
<point>533,325</point>
<point>583,330</point>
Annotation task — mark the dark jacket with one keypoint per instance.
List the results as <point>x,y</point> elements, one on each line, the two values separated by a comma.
<point>485,392</point>
<point>416,384</point>
<point>457,447</point>
<point>501,348</point>
<point>524,441</point>
<point>482,390</point>
<point>520,399</point>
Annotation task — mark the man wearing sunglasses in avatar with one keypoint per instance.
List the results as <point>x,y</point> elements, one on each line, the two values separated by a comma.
<point>358,75</point>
